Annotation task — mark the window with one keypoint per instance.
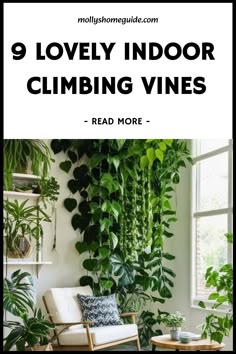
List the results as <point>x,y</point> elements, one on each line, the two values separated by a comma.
<point>212,207</point>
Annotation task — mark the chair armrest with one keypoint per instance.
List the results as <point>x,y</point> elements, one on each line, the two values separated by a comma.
<point>72,323</point>
<point>129,314</point>
<point>67,325</point>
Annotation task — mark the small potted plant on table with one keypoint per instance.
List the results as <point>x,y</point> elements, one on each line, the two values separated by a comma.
<point>175,321</point>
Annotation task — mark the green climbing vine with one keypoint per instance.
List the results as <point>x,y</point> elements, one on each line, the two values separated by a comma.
<point>122,213</point>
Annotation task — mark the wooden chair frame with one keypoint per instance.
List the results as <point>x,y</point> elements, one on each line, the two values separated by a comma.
<point>90,346</point>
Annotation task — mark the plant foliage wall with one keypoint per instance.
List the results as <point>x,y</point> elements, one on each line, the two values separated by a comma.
<point>121,203</point>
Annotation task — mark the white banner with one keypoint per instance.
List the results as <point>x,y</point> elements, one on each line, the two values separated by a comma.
<point>117,70</point>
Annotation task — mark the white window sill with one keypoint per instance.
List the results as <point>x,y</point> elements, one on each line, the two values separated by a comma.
<point>222,309</point>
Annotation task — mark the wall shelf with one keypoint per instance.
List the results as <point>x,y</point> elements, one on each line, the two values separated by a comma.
<point>25,263</point>
<point>21,262</point>
<point>25,176</point>
<point>21,194</point>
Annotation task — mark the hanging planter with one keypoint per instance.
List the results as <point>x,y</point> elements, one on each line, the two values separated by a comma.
<point>22,248</point>
<point>21,223</point>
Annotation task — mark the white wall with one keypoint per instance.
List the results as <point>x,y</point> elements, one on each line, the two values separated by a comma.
<point>180,246</point>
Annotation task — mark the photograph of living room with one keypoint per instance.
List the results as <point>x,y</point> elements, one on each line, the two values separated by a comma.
<point>122,244</point>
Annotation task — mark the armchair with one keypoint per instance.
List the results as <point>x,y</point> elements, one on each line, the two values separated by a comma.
<point>72,333</point>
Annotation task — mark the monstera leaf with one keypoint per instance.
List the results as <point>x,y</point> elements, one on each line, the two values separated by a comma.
<point>18,295</point>
<point>122,269</point>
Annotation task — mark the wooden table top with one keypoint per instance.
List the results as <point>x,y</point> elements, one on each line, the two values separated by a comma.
<point>165,341</point>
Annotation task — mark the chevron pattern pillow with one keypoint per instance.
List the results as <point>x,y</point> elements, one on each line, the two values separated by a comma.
<point>102,310</point>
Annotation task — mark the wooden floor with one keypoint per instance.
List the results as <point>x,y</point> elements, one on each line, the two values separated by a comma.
<point>125,347</point>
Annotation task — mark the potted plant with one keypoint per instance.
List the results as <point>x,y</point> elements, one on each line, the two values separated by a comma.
<point>32,331</point>
<point>175,321</point>
<point>18,153</point>
<point>48,188</point>
<point>216,327</point>
<point>20,224</point>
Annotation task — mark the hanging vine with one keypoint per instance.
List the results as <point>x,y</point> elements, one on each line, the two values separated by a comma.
<point>124,195</point>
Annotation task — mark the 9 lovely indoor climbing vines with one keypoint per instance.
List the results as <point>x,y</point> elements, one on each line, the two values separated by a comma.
<point>120,197</point>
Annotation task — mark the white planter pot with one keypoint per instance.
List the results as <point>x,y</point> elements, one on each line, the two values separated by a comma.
<point>174,333</point>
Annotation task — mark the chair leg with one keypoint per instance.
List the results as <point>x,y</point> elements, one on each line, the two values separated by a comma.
<point>138,345</point>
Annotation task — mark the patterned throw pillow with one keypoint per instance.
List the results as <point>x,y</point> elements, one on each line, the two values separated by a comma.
<point>102,310</point>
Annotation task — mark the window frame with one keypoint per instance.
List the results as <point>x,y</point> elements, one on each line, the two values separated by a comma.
<point>195,198</point>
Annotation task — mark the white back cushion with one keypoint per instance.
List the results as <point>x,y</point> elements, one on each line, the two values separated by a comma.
<point>63,304</point>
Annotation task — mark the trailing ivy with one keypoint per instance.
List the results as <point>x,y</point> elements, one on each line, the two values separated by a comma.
<point>122,213</point>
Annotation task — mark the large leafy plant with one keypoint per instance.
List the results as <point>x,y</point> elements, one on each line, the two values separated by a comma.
<point>19,300</point>
<point>121,204</point>
<point>18,153</point>
<point>216,327</point>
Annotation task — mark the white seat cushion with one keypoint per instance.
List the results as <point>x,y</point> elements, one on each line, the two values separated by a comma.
<point>63,304</point>
<point>100,335</point>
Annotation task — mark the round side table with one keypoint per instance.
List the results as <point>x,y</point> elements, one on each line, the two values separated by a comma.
<point>165,341</point>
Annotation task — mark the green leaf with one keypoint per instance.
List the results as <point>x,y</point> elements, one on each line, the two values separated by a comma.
<point>93,246</point>
<point>166,204</point>
<point>201,304</point>
<point>72,156</point>
<point>172,220</point>
<point>217,336</point>
<point>229,237</point>
<point>65,166</point>
<point>72,185</point>
<point>120,143</point>
<point>169,271</point>
<point>221,299</point>
<point>157,299</point>
<point>213,296</point>
<point>169,212</point>
<point>226,268</point>
<point>165,292</point>
<point>75,221</point>
<point>168,234</point>
<point>105,224</point>
<point>159,154</point>
<point>103,252</point>
<point>106,283</point>
<point>175,177</point>
<point>91,233</point>
<point>70,204</point>
<point>143,162</point>
<point>113,240</point>
<point>106,206</point>
<point>168,256</point>
<point>162,146</point>
<point>19,295</point>
<point>81,247</point>
<point>151,156</point>
<point>96,159</point>
<point>114,160</point>
<point>86,280</point>
<point>122,269</point>
<point>168,142</point>
<point>90,264</point>
<point>108,182</point>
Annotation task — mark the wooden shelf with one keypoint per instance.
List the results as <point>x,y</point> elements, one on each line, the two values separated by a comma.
<point>20,194</point>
